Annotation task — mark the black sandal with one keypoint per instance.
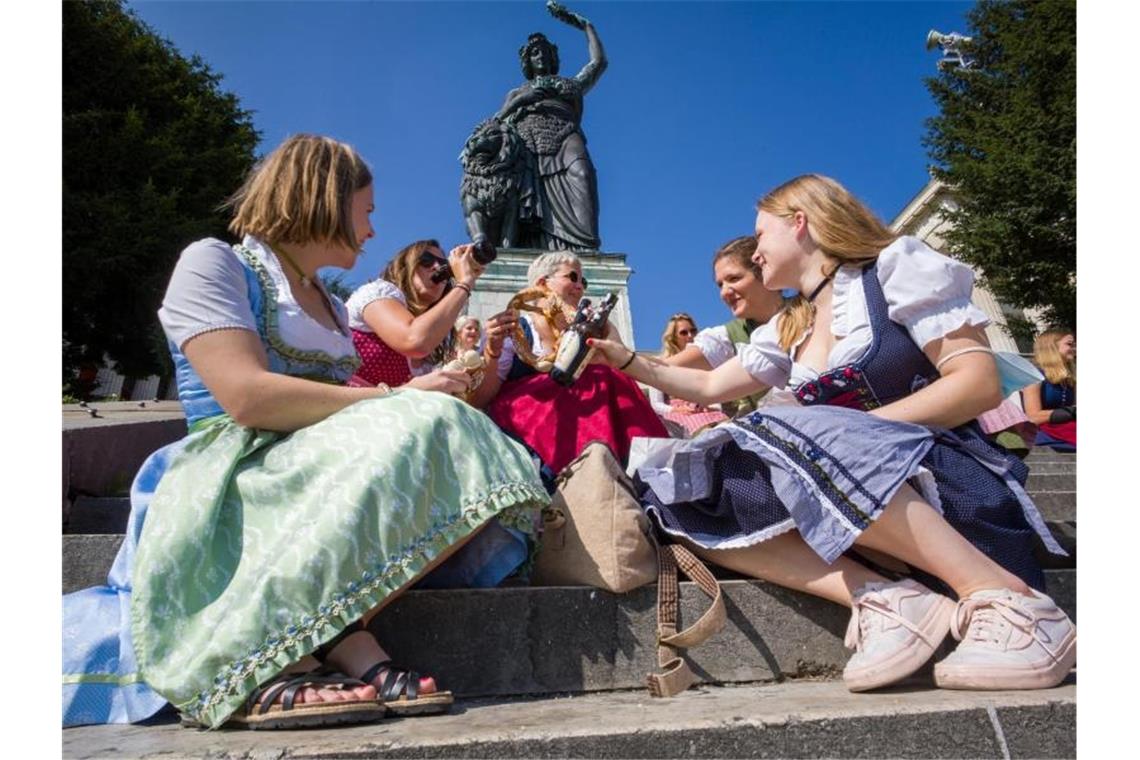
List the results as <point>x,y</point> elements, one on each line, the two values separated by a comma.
<point>262,710</point>
<point>400,691</point>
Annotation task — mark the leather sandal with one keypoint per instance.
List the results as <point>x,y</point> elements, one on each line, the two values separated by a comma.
<point>399,691</point>
<point>262,710</point>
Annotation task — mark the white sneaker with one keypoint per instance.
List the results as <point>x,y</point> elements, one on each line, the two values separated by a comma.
<point>1009,641</point>
<point>894,630</point>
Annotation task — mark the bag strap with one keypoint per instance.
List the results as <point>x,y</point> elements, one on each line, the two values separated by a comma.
<point>677,675</point>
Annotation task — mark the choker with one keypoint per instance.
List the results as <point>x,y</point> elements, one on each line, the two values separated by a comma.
<point>819,287</point>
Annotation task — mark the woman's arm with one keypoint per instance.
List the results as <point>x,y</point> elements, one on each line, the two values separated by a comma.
<point>517,98</point>
<point>1031,400</point>
<point>417,337</point>
<point>727,382</point>
<point>409,335</point>
<point>498,327</point>
<point>233,365</point>
<point>689,356</point>
<point>658,402</point>
<point>969,385</point>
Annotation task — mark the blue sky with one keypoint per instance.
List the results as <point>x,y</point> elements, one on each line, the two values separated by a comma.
<point>704,107</point>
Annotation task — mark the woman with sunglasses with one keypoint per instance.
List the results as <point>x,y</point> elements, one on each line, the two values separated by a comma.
<point>689,418</point>
<point>260,545</point>
<point>402,323</point>
<point>556,421</point>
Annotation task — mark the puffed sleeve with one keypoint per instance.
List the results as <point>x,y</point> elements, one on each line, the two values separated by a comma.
<point>926,292</point>
<point>207,291</point>
<point>366,294</point>
<point>715,345</point>
<point>764,359</point>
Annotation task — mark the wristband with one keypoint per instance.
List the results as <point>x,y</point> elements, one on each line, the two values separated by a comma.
<point>632,356</point>
<point>465,287</point>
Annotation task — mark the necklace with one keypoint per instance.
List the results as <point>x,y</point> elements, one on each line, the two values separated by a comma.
<point>819,287</point>
<point>306,281</point>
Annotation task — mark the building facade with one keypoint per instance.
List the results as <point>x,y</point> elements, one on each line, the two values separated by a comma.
<point>924,217</point>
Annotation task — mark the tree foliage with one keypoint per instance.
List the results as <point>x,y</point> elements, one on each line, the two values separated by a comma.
<point>151,147</point>
<point>1006,142</point>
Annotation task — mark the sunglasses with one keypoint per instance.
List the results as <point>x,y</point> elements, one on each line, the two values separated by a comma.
<point>573,277</point>
<point>429,259</point>
<point>686,332</point>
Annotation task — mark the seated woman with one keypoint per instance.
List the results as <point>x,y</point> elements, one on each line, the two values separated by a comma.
<point>1052,403</point>
<point>296,508</point>
<point>752,305</point>
<point>685,415</point>
<point>556,421</point>
<point>402,322</point>
<point>467,334</point>
<point>882,342</point>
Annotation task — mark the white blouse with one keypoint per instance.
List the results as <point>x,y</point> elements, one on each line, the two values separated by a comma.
<point>926,292</point>
<point>716,346</point>
<point>366,294</point>
<point>208,291</point>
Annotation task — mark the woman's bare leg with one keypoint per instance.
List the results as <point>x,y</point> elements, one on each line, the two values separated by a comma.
<point>788,561</point>
<point>913,531</point>
<point>358,652</point>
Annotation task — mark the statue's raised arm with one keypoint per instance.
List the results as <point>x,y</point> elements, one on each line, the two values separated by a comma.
<point>534,151</point>
<point>591,72</point>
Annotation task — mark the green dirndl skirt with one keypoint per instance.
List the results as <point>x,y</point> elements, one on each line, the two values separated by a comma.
<point>260,546</point>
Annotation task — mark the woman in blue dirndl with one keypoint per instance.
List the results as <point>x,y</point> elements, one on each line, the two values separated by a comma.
<point>890,364</point>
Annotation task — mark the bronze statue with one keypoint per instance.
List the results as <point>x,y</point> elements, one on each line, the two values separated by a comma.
<point>552,185</point>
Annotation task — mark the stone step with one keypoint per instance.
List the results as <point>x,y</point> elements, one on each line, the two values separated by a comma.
<point>1046,454</point>
<point>519,640</point>
<point>1048,482</point>
<point>1054,494</point>
<point>790,719</point>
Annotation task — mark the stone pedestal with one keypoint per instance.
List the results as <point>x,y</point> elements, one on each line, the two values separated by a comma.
<point>506,276</point>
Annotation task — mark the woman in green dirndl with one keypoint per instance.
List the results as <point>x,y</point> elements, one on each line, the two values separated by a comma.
<point>297,507</point>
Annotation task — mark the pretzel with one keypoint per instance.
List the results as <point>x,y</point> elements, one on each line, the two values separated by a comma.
<point>471,362</point>
<point>557,314</point>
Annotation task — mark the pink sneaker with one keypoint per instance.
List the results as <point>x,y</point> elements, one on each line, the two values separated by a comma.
<point>894,630</point>
<point>1009,641</point>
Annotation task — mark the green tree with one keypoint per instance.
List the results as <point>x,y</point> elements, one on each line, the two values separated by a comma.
<point>1006,142</point>
<point>151,147</point>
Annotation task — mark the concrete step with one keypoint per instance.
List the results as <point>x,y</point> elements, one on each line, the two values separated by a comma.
<point>791,719</point>
<point>103,451</point>
<point>1045,454</point>
<point>1055,495</point>
<point>520,640</point>
<point>1048,482</point>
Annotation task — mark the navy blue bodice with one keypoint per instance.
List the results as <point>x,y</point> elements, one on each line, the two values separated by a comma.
<point>892,367</point>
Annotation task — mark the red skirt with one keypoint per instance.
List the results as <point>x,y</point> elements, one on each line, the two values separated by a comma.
<point>557,422</point>
<point>1060,431</point>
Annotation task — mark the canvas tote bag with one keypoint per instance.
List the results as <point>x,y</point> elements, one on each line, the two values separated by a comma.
<point>596,534</point>
<point>594,531</point>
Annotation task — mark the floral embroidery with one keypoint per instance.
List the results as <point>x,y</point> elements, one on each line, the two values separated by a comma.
<point>267,322</point>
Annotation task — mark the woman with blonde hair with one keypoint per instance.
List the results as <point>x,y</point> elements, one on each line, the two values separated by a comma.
<point>261,544</point>
<point>1052,403</point>
<point>888,357</point>
<point>689,418</point>
<point>554,420</point>
<point>467,332</point>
